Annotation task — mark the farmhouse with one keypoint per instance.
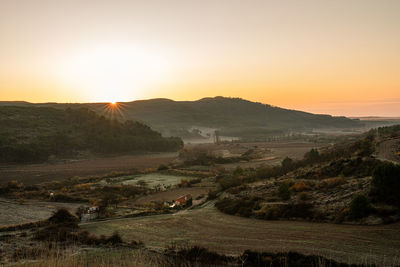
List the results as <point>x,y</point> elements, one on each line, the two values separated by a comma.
<point>184,200</point>
<point>90,213</point>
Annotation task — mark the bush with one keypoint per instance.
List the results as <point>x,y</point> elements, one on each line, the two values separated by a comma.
<point>67,198</point>
<point>385,185</point>
<point>212,194</point>
<point>303,196</point>
<point>63,216</point>
<point>241,207</point>
<point>331,182</point>
<point>114,239</point>
<point>300,187</point>
<point>238,171</point>
<point>283,191</point>
<point>359,207</point>
<point>195,255</point>
<point>287,164</point>
<point>162,167</point>
<point>228,181</point>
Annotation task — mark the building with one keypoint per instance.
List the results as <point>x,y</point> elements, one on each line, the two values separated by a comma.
<point>184,200</point>
<point>90,213</point>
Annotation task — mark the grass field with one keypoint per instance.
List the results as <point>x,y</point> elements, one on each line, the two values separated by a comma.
<point>13,212</point>
<point>232,235</point>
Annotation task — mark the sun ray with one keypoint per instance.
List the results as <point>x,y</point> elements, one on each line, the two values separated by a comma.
<point>114,110</point>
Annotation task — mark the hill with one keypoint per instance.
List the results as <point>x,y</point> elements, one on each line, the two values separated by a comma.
<point>32,134</point>
<point>231,116</point>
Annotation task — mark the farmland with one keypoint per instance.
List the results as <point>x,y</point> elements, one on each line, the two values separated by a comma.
<point>133,192</point>
<point>45,172</point>
<point>13,212</point>
<point>232,235</point>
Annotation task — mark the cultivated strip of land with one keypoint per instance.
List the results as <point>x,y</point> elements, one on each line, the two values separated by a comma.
<point>232,235</point>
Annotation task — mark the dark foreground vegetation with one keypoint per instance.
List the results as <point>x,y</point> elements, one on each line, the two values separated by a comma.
<point>33,134</point>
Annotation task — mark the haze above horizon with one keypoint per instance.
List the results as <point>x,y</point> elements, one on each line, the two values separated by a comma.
<point>333,57</point>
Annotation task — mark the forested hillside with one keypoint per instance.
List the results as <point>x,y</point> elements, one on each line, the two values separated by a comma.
<point>231,116</point>
<point>32,134</point>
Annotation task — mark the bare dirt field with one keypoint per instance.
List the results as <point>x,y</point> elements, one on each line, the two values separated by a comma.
<point>232,235</point>
<point>39,173</point>
<point>13,212</point>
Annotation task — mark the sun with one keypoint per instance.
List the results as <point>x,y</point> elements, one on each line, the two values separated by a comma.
<point>105,73</point>
<point>114,110</point>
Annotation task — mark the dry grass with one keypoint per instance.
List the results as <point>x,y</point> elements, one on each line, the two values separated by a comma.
<point>300,187</point>
<point>232,235</point>
<point>331,182</point>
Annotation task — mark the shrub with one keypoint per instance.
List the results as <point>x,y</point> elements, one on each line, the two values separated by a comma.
<point>359,207</point>
<point>298,210</point>
<point>228,181</point>
<point>283,191</point>
<point>67,198</point>
<point>303,196</point>
<point>331,182</point>
<point>312,156</point>
<point>162,167</point>
<point>114,239</point>
<point>238,171</point>
<point>287,164</point>
<point>241,207</point>
<point>385,185</point>
<point>195,255</point>
<point>194,181</point>
<point>63,216</point>
<point>299,187</point>
<point>272,213</point>
<point>212,194</point>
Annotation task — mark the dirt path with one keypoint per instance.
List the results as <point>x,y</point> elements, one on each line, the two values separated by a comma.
<point>387,150</point>
<point>38,173</point>
<point>232,235</point>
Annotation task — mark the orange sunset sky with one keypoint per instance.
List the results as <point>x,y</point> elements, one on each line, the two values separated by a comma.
<point>336,57</point>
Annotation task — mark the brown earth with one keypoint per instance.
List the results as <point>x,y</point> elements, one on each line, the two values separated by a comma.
<point>389,150</point>
<point>232,235</point>
<point>39,173</point>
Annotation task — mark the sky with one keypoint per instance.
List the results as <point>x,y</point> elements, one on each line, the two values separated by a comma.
<point>338,57</point>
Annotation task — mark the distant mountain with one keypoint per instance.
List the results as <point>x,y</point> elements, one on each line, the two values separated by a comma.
<point>231,116</point>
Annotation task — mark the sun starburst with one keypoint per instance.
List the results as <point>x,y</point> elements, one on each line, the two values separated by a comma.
<point>114,110</point>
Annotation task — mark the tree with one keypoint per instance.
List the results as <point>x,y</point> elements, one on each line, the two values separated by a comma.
<point>359,207</point>
<point>283,191</point>
<point>312,156</point>
<point>287,164</point>
<point>385,185</point>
